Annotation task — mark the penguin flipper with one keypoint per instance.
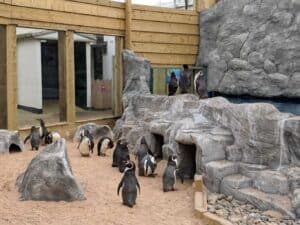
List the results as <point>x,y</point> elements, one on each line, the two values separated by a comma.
<point>120,185</point>
<point>99,147</point>
<point>26,139</point>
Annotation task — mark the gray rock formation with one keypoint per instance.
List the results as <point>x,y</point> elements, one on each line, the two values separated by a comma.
<point>10,141</point>
<point>249,151</point>
<point>136,72</point>
<point>252,47</point>
<point>97,131</point>
<point>49,176</point>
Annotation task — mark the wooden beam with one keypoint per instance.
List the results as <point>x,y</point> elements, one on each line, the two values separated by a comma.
<point>169,59</point>
<point>66,76</point>
<point>165,48</point>
<point>150,37</point>
<point>118,79</point>
<point>128,22</point>
<point>8,77</point>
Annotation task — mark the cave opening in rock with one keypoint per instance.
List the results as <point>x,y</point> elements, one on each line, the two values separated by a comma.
<point>156,145</point>
<point>13,148</point>
<point>187,164</point>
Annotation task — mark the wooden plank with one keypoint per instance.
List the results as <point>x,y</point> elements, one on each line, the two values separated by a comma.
<point>62,27</point>
<point>150,37</point>
<point>162,27</point>
<point>159,81</point>
<point>73,7</point>
<point>66,76</point>
<point>169,59</point>
<point>165,17</point>
<point>5,10</point>
<point>128,24</point>
<point>118,79</point>
<point>164,10</point>
<point>49,16</point>
<point>102,2</point>
<point>8,77</point>
<point>164,48</point>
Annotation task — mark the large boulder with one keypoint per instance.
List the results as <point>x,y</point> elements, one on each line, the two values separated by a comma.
<point>252,47</point>
<point>10,141</point>
<point>49,176</point>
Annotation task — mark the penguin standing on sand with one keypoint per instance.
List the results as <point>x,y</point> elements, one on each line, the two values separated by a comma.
<point>129,184</point>
<point>84,135</point>
<point>42,130</point>
<point>169,176</point>
<point>120,155</point>
<point>85,146</point>
<point>147,166</point>
<point>34,138</point>
<point>104,144</point>
<point>142,149</point>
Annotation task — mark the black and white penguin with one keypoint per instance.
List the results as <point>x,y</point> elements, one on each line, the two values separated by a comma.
<point>129,185</point>
<point>120,155</point>
<point>169,176</point>
<point>147,166</point>
<point>103,145</point>
<point>34,138</point>
<point>200,85</point>
<point>42,130</point>
<point>85,147</point>
<point>52,137</point>
<point>86,134</point>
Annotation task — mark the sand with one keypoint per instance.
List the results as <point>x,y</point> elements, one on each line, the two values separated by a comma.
<point>102,206</point>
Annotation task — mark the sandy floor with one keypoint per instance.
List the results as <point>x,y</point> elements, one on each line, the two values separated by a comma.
<point>102,206</point>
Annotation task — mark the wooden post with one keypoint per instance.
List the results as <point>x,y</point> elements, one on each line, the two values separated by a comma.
<point>198,5</point>
<point>8,77</point>
<point>128,14</point>
<point>66,76</point>
<point>204,4</point>
<point>118,78</point>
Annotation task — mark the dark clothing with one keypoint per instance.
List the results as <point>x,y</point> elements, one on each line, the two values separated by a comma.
<point>172,86</point>
<point>184,81</point>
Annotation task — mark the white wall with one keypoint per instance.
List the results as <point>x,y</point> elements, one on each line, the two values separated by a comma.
<point>88,76</point>
<point>29,73</point>
<point>108,63</point>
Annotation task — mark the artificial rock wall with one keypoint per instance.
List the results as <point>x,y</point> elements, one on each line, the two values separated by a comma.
<point>249,151</point>
<point>252,47</point>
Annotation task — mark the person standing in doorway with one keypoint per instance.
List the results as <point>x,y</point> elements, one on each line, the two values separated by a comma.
<point>184,80</point>
<point>172,86</point>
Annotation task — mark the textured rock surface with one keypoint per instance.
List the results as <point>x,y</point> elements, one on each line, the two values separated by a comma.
<point>49,177</point>
<point>97,131</point>
<point>252,47</point>
<point>10,141</point>
<point>249,150</point>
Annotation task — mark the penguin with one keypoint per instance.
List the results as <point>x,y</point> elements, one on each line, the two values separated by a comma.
<point>169,176</point>
<point>85,146</point>
<point>142,150</point>
<point>104,144</point>
<point>120,155</point>
<point>129,185</point>
<point>42,130</point>
<point>86,134</point>
<point>52,137</point>
<point>200,85</point>
<point>34,138</point>
<point>147,166</point>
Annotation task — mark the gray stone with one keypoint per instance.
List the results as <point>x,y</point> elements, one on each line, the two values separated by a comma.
<point>97,131</point>
<point>296,201</point>
<point>10,141</point>
<point>231,183</point>
<point>233,153</point>
<point>272,182</point>
<point>251,170</point>
<point>247,36</point>
<point>49,176</point>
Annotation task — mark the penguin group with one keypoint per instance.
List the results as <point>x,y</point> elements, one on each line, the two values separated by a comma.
<point>147,163</point>
<point>41,136</point>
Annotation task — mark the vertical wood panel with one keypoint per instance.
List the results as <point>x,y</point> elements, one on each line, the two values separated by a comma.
<point>8,78</point>
<point>128,23</point>
<point>66,76</point>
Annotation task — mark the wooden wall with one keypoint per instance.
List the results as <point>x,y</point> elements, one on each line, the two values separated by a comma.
<point>167,37</point>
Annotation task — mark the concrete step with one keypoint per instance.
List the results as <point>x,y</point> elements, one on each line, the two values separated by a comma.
<point>251,170</point>
<point>231,183</point>
<point>265,201</point>
<point>216,171</point>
